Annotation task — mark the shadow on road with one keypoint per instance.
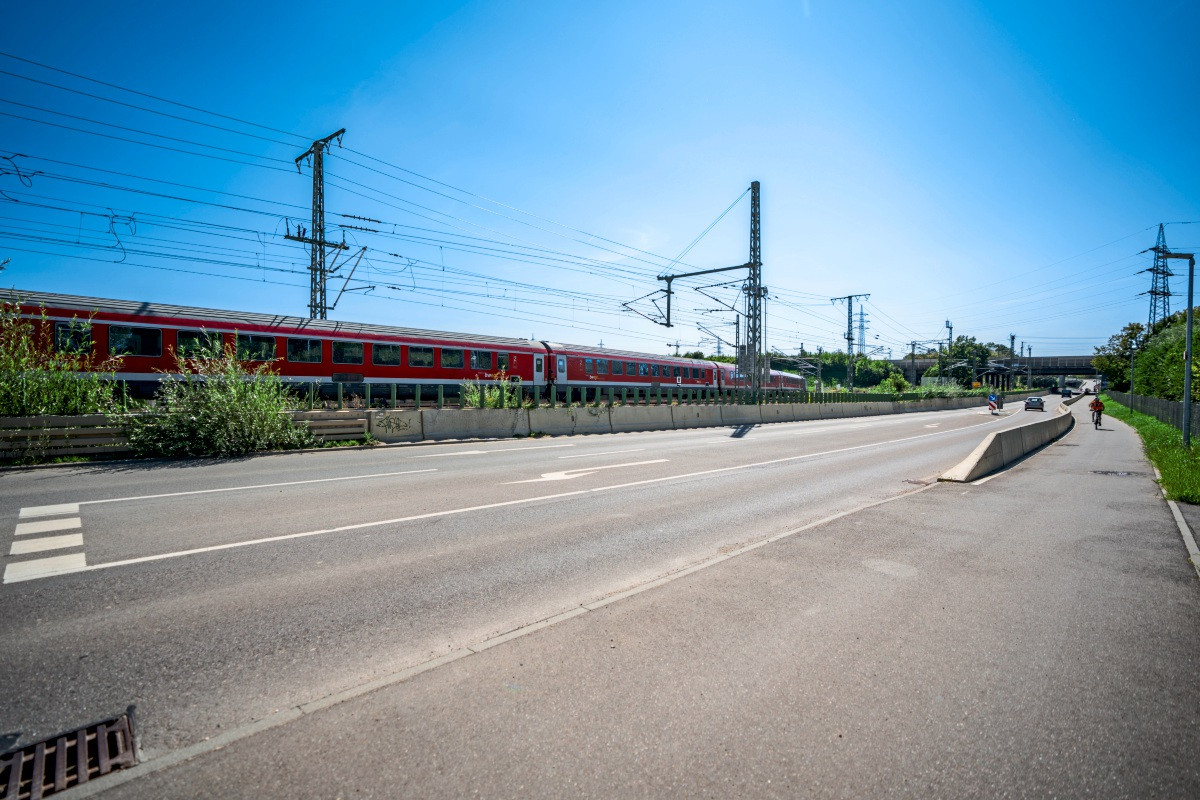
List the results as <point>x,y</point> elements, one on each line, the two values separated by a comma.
<point>741,430</point>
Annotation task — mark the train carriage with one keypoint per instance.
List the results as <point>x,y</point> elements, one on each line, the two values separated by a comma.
<point>142,338</point>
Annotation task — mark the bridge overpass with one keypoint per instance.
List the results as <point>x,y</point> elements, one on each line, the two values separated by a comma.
<point>1057,366</point>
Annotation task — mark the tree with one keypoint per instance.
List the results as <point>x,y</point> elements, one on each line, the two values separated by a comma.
<point>1112,358</point>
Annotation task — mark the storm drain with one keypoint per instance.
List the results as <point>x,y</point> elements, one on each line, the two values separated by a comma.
<point>66,760</point>
<point>1118,474</point>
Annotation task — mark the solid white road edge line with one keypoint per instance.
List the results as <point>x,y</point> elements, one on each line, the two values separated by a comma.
<point>1189,541</point>
<point>485,452</point>
<point>521,501</point>
<point>286,715</point>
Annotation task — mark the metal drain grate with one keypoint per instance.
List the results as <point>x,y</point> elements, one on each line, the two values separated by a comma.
<point>1118,474</point>
<point>59,762</point>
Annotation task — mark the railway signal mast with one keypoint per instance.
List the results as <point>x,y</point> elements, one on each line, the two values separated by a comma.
<point>318,306</point>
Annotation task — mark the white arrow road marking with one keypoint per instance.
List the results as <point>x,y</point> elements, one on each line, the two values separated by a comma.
<point>934,425</point>
<point>568,474</point>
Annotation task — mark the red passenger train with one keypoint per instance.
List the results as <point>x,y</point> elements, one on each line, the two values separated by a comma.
<point>143,337</point>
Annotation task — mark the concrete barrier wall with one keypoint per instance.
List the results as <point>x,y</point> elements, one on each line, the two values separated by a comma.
<point>685,417</point>
<point>570,421</point>
<point>395,426</point>
<point>741,415</point>
<point>641,418</point>
<point>411,425</point>
<point>1002,448</point>
<point>474,423</point>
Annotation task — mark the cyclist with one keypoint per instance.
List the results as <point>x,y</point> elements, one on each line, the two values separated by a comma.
<point>1097,410</point>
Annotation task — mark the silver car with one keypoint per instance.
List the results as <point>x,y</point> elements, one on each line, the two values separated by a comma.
<point>1035,404</point>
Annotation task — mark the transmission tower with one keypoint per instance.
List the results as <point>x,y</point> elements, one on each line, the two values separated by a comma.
<point>1160,291</point>
<point>862,331</point>
<point>849,334</point>
<point>318,306</point>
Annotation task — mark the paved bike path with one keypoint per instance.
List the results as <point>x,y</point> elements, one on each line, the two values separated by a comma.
<point>1036,635</point>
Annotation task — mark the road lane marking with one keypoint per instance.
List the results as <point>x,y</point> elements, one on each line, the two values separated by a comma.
<point>605,453</point>
<point>507,503</point>
<point>500,450</point>
<point>24,546</point>
<point>283,716</point>
<point>48,526</point>
<point>570,474</point>
<point>49,511</point>
<point>44,567</point>
<point>255,486</point>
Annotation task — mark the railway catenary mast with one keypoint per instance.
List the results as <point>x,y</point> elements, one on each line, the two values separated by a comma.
<point>318,307</point>
<point>752,365</point>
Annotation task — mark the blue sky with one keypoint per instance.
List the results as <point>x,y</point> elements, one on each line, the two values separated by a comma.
<point>535,165</point>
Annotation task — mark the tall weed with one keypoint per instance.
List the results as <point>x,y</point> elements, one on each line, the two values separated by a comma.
<point>214,405</point>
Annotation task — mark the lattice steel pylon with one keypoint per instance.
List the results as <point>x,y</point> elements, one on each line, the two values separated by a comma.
<point>753,367</point>
<point>1160,290</point>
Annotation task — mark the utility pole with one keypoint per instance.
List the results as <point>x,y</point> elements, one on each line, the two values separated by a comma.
<point>1029,368</point>
<point>913,361</point>
<point>1012,342</point>
<point>1160,291</point>
<point>862,331</point>
<point>318,307</point>
<point>849,335</point>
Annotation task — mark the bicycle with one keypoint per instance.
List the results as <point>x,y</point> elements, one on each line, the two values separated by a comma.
<point>1096,415</point>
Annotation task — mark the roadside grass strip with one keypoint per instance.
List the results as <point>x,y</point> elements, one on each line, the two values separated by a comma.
<point>1179,467</point>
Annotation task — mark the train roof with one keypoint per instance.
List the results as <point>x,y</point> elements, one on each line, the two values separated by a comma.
<point>88,305</point>
<point>163,311</point>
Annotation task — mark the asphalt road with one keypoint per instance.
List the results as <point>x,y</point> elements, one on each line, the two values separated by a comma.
<point>211,594</point>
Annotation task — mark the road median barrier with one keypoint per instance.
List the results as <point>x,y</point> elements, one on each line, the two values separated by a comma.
<point>641,418</point>
<point>1002,448</point>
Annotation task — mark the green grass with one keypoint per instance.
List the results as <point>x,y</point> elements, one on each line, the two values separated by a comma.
<point>1180,468</point>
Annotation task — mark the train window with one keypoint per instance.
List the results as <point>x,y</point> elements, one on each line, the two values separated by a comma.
<point>385,355</point>
<point>643,369</point>
<point>601,366</point>
<point>420,356</point>
<point>675,373</point>
<point>630,368</point>
<point>452,359</point>
<point>124,340</point>
<point>73,337</point>
<point>191,344</point>
<point>695,372</point>
<point>255,348</point>
<point>618,368</point>
<point>306,351</point>
<point>347,352</point>
<point>587,366</point>
<point>654,370</point>
<point>481,359</point>
<point>501,360</point>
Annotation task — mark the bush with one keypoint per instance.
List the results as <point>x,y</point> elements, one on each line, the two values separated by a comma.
<point>216,406</point>
<point>38,379</point>
<point>893,384</point>
<point>502,394</point>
